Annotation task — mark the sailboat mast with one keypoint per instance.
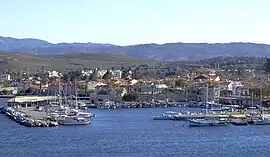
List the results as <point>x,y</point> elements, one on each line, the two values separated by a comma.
<point>252,97</point>
<point>59,92</point>
<point>76,94</point>
<point>261,95</point>
<point>206,99</point>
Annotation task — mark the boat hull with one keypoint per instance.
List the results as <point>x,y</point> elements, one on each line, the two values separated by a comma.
<point>205,123</point>
<point>163,118</point>
<point>240,123</point>
<point>75,123</point>
<point>261,122</point>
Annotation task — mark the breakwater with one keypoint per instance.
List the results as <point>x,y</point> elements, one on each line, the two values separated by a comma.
<point>27,120</point>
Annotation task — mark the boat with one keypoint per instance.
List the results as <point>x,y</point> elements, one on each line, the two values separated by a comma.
<point>239,122</point>
<point>73,116</point>
<point>169,115</point>
<point>201,122</point>
<point>184,116</point>
<point>261,121</point>
<point>206,120</point>
<point>73,120</point>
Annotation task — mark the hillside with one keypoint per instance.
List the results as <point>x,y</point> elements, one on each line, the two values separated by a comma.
<point>18,61</point>
<point>170,51</point>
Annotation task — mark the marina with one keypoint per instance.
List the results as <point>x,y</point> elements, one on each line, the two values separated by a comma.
<point>214,118</point>
<point>38,111</point>
<point>126,126</point>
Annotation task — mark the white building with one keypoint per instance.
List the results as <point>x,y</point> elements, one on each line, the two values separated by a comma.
<point>233,85</point>
<point>5,77</point>
<point>116,74</point>
<point>53,74</point>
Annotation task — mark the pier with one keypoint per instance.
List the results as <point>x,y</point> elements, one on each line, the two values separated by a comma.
<point>45,111</point>
<point>28,117</point>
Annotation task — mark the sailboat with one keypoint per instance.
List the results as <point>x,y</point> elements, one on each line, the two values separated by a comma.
<point>74,116</point>
<point>207,120</point>
<point>262,120</point>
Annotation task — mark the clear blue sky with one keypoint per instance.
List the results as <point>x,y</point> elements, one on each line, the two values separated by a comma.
<point>126,22</point>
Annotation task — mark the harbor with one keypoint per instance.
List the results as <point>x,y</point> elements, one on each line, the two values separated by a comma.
<point>127,127</point>
<point>221,117</point>
<point>51,111</point>
<point>36,111</point>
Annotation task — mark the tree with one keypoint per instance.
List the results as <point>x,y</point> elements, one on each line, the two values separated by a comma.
<point>29,90</point>
<point>256,92</point>
<point>180,83</point>
<point>4,92</point>
<point>66,77</point>
<point>107,75</point>
<point>125,72</point>
<point>130,97</point>
<point>94,76</point>
<point>137,75</point>
<point>266,66</point>
<point>86,78</point>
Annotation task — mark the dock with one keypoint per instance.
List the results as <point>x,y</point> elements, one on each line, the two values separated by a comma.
<point>28,117</point>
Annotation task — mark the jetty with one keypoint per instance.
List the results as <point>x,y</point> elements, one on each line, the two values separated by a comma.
<point>45,111</point>
<point>27,111</point>
<point>28,118</point>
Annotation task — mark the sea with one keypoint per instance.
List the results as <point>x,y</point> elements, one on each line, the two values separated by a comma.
<point>133,133</point>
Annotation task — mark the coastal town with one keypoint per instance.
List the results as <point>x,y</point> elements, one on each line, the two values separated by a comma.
<point>198,87</point>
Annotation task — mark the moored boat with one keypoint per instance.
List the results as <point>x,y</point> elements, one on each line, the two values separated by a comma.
<point>239,122</point>
<point>73,120</point>
<point>261,121</point>
<point>208,121</point>
<point>169,115</point>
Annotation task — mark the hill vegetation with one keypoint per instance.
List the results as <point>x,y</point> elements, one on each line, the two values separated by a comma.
<point>19,61</point>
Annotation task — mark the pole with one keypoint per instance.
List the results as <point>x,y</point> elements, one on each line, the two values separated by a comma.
<point>261,93</point>
<point>153,100</point>
<point>206,97</point>
<point>76,95</point>
<point>167,99</point>
<point>218,91</point>
<point>252,99</point>
<point>59,92</point>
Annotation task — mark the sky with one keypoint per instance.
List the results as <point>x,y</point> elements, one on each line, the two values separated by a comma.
<point>128,22</point>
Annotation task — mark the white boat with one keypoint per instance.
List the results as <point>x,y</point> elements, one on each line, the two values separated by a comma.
<point>239,122</point>
<point>73,120</point>
<point>169,115</point>
<point>261,121</point>
<point>209,121</point>
<point>85,114</point>
<point>200,122</point>
<point>163,117</point>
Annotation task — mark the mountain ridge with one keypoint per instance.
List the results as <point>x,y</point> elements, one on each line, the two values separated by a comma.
<point>167,51</point>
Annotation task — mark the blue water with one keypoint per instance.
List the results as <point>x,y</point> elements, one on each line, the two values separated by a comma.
<point>132,133</point>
